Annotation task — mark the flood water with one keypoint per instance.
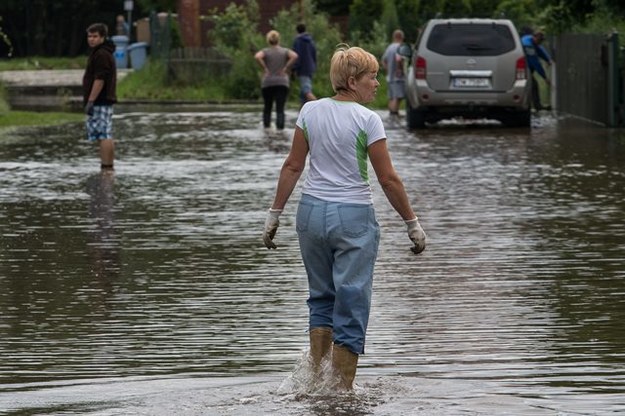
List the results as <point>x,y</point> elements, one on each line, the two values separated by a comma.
<point>149,291</point>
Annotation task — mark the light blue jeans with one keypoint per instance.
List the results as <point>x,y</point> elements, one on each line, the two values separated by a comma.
<point>339,245</point>
<point>305,86</point>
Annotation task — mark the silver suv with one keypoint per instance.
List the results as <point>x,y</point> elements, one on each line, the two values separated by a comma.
<point>471,68</point>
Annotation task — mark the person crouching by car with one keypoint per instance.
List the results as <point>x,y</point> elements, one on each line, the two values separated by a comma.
<point>534,52</point>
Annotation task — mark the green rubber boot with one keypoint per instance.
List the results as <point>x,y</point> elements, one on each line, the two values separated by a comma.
<point>320,345</point>
<point>344,363</point>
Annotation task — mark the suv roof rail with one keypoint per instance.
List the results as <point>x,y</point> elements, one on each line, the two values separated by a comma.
<point>500,15</point>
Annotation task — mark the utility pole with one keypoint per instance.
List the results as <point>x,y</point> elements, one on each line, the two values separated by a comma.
<point>189,21</point>
<point>128,6</point>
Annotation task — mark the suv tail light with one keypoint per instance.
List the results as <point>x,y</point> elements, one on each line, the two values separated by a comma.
<point>420,67</point>
<point>520,69</point>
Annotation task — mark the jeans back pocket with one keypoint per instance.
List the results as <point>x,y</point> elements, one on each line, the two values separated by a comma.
<point>355,219</point>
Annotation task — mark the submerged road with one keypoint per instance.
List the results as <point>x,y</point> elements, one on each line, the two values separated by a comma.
<point>149,291</point>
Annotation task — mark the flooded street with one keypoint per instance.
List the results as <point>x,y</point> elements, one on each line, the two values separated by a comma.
<point>149,291</point>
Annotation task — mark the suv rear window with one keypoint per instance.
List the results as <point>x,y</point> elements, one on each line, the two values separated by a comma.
<point>471,39</point>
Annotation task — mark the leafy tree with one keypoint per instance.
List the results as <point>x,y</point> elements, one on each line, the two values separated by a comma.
<point>410,18</point>
<point>6,48</point>
<point>604,19</point>
<point>375,41</point>
<point>363,14</point>
<point>616,7</point>
<point>235,34</point>
<point>389,17</point>
<point>408,15</point>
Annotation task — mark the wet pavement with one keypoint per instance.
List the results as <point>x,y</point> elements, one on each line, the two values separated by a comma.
<point>149,291</point>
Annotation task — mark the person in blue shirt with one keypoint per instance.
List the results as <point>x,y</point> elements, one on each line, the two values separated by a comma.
<point>306,63</point>
<point>534,52</point>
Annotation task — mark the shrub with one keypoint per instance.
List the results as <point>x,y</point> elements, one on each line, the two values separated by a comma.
<point>236,36</point>
<point>4,105</point>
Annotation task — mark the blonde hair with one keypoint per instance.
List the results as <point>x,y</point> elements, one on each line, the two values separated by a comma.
<point>350,62</point>
<point>273,37</point>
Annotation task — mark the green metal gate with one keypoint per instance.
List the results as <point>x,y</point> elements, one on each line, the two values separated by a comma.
<point>589,77</point>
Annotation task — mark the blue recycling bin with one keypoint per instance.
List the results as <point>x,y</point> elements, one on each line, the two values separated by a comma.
<point>137,53</point>
<point>121,55</point>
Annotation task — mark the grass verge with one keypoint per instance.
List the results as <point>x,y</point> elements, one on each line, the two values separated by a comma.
<point>30,118</point>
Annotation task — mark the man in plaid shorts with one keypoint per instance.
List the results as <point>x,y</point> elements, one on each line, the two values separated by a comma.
<point>99,92</point>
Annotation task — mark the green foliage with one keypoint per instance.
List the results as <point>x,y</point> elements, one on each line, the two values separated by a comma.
<point>362,15</point>
<point>557,18</point>
<point>521,12</point>
<point>390,20</point>
<point>152,83</point>
<point>410,18</point>
<point>236,27</point>
<point>407,15</point>
<point>236,36</point>
<point>31,118</point>
<point>148,83</point>
<point>375,40</point>
<point>4,105</point>
<point>7,42</point>
<point>244,80</point>
<point>603,20</point>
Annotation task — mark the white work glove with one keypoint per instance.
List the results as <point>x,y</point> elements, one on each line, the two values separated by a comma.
<point>271,227</point>
<point>416,234</point>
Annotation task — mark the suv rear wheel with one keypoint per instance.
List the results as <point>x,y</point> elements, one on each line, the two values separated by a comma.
<point>517,119</point>
<point>415,117</point>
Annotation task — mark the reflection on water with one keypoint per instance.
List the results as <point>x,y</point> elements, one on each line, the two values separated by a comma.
<point>148,290</point>
<point>103,244</point>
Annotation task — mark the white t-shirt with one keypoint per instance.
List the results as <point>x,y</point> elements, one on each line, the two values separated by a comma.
<point>338,135</point>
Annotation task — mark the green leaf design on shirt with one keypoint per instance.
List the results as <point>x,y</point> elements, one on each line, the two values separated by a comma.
<point>362,156</point>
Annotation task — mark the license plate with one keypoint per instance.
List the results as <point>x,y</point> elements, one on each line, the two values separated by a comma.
<point>471,82</point>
